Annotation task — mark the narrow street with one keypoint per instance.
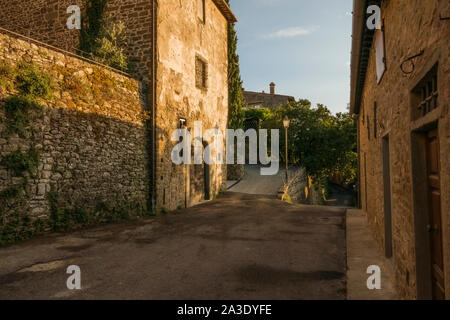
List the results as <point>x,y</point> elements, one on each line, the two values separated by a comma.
<point>239,246</point>
<point>254,183</point>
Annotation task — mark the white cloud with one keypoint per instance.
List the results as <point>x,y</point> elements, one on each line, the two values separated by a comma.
<point>292,32</point>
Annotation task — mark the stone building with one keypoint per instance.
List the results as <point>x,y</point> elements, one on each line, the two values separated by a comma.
<point>400,76</point>
<point>179,53</point>
<point>269,100</point>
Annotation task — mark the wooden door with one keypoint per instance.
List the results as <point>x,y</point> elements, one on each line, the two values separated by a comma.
<point>435,220</point>
<point>207,181</point>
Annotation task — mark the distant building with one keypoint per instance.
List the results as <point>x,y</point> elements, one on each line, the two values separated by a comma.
<point>266,100</point>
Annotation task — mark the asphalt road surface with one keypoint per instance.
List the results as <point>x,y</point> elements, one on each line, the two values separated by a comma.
<point>239,246</point>
<point>255,183</point>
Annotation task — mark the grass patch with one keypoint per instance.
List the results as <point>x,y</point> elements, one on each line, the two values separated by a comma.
<point>287,198</point>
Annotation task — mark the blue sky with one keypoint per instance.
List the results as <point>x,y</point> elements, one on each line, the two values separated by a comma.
<point>301,45</point>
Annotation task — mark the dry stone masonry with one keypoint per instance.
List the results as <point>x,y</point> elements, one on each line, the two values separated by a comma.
<point>107,136</point>
<point>90,135</point>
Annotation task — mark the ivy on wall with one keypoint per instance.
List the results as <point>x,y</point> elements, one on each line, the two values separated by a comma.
<point>103,39</point>
<point>27,87</point>
<point>31,84</point>
<point>92,24</point>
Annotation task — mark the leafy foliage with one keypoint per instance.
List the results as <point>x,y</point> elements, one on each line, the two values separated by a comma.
<point>323,143</point>
<point>91,25</point>
<point>10,193</point>
<point>260,113</point>
<point>110,44</point>
<point>103,39</point>
<point>7,75</point>
<point>19,228</point>
<point>236,96</point>
<point>33,82</point>
<point>18,109</point>
<point>64,217</point>
<point>21,162</point>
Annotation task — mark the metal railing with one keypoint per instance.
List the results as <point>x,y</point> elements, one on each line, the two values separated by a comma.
<point>29,38</point>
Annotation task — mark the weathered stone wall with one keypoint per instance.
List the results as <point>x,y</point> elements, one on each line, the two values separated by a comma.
<point>182,36</point>
<point>410,26</point>
<point>300,188</point>
<point>45,20</point>
<point>90,135</point>
<point>235,171</point>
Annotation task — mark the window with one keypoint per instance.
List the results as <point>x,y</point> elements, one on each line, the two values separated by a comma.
<point>380,53</point>
<point>201,12</point>
<point>368,128</point>
<point>425,94</point>
<point>201,73</point>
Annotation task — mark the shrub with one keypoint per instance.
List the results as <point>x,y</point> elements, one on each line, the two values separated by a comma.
<point>19,228</point>
<point>17,109</point>
<point>109,46</point>
<point>7,75</point>
<point>32,81</point>
<point>10,193</point>
<point>21,162</point>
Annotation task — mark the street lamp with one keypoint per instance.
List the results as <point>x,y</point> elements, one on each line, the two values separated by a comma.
<point>286,123</point>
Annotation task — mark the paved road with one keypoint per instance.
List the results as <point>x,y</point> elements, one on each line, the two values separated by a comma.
<point>236,247</point>
<point>254,183</point>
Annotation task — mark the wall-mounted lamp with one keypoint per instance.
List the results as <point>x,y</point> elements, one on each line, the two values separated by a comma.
<point>182,123</point>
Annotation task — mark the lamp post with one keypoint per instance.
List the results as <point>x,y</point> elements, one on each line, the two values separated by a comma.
<point>286,123</point>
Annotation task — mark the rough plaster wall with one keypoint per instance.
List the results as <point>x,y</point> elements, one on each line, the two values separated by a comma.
<point>181,36</point>
<point>91,139</point>
<point>410,27</point>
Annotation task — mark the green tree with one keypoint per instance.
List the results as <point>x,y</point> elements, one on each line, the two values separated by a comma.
<point>236,96</point>
<point>323,143</point>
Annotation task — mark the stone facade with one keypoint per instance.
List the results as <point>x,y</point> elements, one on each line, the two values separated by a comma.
<point>90,135</point>
<point>179,98</point>
<point>167,70</point>
<point>386,110</point>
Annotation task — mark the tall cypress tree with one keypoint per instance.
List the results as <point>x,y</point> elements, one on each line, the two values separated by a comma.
<point>236,97</point>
